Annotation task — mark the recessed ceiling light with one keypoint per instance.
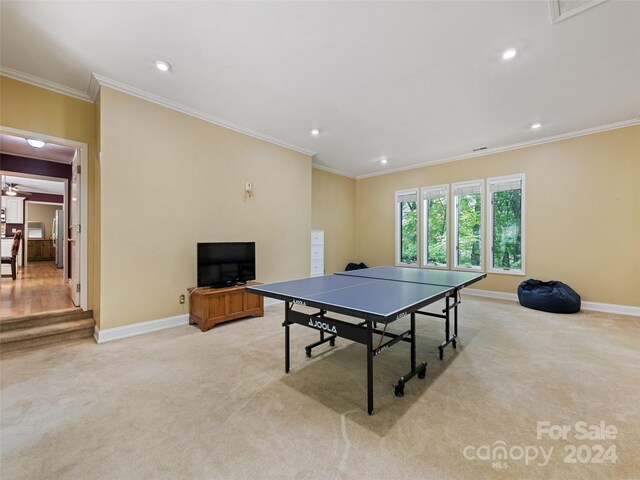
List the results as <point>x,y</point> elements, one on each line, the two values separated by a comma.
<point>509,53</point>
<point>315,131</point>
<point>163,66</point>
<point>384,161</point>
<point>535,126</point>
<point>35,143</point>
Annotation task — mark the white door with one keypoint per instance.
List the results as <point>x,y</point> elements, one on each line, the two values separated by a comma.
<point>74,231</point>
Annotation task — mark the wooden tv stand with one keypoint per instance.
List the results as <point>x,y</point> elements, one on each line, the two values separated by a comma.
<point>210,306</point>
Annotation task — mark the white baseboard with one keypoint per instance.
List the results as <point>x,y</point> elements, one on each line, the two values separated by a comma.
<point>592,306</point>
<point>117,333</point>
<point>490,294</point>
<point>612,308</point>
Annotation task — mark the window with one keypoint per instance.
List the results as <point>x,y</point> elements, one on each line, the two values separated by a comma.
<point>35,230</point>
<point>467,224</point>
<point>435,211</point>
<point>506,228</point>
<point>407,227</point>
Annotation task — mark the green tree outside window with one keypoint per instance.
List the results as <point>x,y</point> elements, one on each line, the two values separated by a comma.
<point>507,229</point>
<point>436,249</point>
<point>469,223</point>
<point>408,232</point>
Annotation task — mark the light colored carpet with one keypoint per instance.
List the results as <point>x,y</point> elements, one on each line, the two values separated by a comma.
<point>185,404</point>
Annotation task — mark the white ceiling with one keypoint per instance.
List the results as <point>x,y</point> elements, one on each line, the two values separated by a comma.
<point>51,152</point>
<point>417,82</point>
<point>35,185</point>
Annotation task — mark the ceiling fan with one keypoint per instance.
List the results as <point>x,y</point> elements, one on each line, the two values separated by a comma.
<point>13,189</point>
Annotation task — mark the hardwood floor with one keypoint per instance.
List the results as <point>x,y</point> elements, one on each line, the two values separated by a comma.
<point>39,287</point>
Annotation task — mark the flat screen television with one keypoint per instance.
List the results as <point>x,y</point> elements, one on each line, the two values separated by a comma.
<point>226,264</point>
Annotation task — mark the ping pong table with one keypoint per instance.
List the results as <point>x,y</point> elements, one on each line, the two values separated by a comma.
<point>378,295</point>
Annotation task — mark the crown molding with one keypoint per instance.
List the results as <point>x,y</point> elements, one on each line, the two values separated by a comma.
<point>150,97</point>
<point>506,148</point>
<point>335,172</point>
<point>98,80</point>
<point>46,84</point>
<point>94,88</point>
<point>558,16</point>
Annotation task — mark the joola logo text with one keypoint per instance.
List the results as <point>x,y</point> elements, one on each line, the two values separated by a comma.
<point>322,326</point>
<point>401,314</point>
<point>299,302</point>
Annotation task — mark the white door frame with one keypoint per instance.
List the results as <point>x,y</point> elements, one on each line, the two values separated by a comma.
<point>83,151</point>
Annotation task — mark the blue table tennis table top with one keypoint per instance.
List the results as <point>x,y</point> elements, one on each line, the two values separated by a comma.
<point>382,294</point>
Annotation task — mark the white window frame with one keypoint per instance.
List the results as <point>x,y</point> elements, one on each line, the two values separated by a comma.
<point>409,191</point>
<point>425,224</point>
<point>454,243</point>
<point>495,181</point>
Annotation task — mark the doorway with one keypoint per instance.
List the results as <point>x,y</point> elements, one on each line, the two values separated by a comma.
<point>71,239</point>
<point>44,234</point>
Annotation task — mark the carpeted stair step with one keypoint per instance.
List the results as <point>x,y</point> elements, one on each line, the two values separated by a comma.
<point>41,319</point>
<point>34,336</point>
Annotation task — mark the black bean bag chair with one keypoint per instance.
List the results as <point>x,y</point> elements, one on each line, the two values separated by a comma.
<point>553,296</point>
<point>355,266</point>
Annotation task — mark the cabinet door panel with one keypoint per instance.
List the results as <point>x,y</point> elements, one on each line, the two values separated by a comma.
<point>234,302</point>
<point>253,301</point>
<point>14,209</point>
<point>216,306</point>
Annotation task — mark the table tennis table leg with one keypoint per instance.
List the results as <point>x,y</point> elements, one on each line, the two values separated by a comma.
<point>446,329</point>
<point>369,367</point>
<point>455,319</point>
<point>331,338</point>
<point>420,370</point>
<point>450,339</point>
<point>413,342</point>
<point>288,307</point>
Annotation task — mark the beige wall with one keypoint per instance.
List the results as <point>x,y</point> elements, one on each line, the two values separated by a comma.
<point>582,212</point>
<point>168,181</point>
<point>333,210</point>
<point>42,212</point>
<point>34,109</point>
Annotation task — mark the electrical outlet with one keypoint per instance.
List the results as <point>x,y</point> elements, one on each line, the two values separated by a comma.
<point>181,300</point>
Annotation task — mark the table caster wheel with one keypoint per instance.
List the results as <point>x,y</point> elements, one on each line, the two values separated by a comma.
<point>422,373</point>
<point>398,390</point>
<point>441,354</point>
<point>308,351</point>
<point>332,342</point>
<point>454,344</point>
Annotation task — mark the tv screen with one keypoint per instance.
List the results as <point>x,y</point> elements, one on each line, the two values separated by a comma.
<point>226,264</point>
